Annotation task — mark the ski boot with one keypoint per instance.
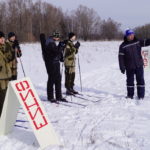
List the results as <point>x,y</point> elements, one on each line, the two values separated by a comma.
<point>129,97</point>
<point>53,101</point>
<point>62,100</point>
<point>69,92</point>
<point>73,91</point>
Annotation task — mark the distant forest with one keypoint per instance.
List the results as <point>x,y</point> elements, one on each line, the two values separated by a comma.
<point>28,20</point>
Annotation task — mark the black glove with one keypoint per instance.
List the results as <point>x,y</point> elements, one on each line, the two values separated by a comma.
<point>77,45</point>
<point>0,68</point>
<point>16,44</point>
<point>62,44</point>
<point>19,53</point>
<point>123,71</point>
<point>61,59</point>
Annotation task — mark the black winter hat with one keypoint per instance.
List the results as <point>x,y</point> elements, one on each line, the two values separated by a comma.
<point>2,34</point>
<point>70,35</point>
<point>11,34</point>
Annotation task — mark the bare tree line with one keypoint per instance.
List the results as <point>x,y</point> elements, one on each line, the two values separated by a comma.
<point>143,32</point>
<point>28,20</point>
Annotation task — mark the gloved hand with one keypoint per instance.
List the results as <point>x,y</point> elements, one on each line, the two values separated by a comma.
<point>77,45</point>
<point>62,44</point>
<point>61,59</point>
<point>0,68</point>
<point>123,71</point>
<point>19,53</point>
<point>16,44</point>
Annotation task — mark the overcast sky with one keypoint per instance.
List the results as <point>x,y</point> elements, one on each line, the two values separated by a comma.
<point>130,13</point>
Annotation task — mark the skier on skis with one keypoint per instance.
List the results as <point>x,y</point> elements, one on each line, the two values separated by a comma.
<point>52,56</point>
<point>69,61</point>
<point>131,62</point>
<point>6,56</point>
<point>13,42</point>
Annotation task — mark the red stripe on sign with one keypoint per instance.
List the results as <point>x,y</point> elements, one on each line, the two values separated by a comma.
<point>31,104</point>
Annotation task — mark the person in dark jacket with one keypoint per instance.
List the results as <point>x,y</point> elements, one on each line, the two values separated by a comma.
<point>53,55</point>
<point>131,62</point>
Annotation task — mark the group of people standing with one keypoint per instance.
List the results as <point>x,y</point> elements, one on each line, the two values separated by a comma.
<point>56,51</point>
<point>9,51</point>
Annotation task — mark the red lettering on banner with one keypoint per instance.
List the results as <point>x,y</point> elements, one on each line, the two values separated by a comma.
<point>22,86</point>
<point>25,87</point>
<point>145,58</point>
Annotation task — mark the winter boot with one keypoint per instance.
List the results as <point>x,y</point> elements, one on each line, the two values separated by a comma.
<point>62,100</point>
<point>53,100</point>
<point>73,91</point>
<point>69,92</point>
<point>129,97</point>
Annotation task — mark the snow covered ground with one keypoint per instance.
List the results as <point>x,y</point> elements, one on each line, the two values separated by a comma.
<point>104,120</point>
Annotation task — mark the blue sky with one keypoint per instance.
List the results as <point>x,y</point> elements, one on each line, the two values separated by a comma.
<point>130,13</point>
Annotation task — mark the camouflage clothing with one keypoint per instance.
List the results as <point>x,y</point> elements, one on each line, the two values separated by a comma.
<point>13,63</point>
<point>5,70</point>
<point>6,56</point>
<point>69,62</point>
<point>69,54</point>
<point>69,77</point>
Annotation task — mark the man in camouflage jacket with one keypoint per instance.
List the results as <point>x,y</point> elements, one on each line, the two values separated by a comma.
<point>69,61</point>
<point>13,42</point>
<point>6,56</point>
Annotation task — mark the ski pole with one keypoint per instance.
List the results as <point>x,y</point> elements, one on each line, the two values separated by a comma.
<point>21,64</point>
<point>80,72</point>
<point>22,67</point>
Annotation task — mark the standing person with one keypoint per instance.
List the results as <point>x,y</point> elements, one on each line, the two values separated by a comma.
<point>6,56</point>
<point>13,42</point>
<point>69,61</point>
<point>131,62</point>
<point>52,57</point>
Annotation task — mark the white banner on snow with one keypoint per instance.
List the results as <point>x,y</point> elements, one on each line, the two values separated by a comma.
<point>22,92</point>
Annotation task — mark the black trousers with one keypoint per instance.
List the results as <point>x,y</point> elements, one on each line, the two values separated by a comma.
<point>54,81</point>
<point>139,74</point>
<point>2,98</point>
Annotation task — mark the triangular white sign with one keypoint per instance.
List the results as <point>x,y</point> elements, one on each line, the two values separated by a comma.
<point>22,92</point>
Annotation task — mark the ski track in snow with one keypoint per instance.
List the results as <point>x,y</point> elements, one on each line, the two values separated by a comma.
<point>108,122</point>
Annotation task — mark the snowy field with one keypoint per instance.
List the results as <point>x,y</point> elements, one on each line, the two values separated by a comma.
<point>102,120</point>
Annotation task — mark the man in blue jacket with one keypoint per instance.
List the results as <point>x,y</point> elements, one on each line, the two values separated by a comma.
<point>131,62</point>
